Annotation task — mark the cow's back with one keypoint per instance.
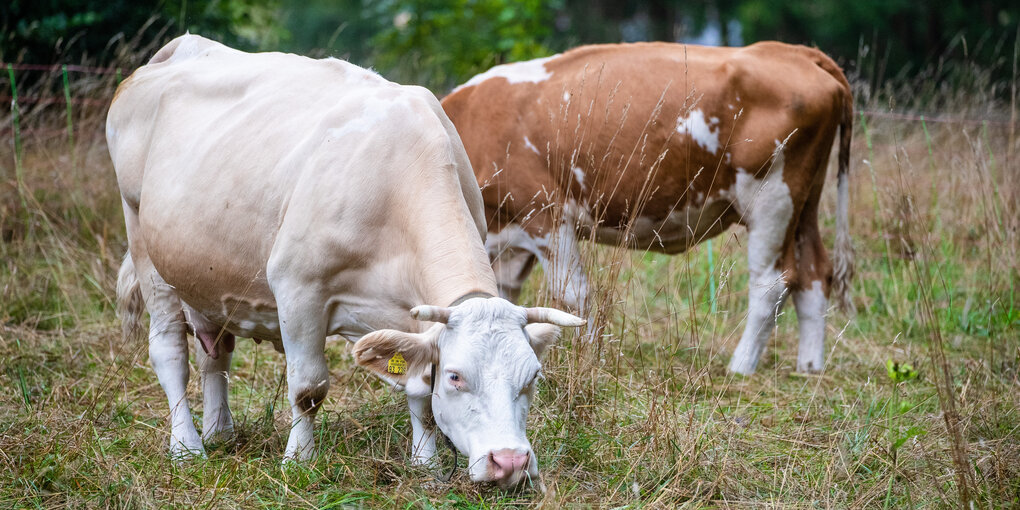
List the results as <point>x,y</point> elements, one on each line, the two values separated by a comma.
<point>655,124</point>
<point>227,155</point>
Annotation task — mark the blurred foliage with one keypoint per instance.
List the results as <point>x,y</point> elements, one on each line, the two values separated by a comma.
<point>447,41</point>
<point>891,37</point>
<point>48,31</point>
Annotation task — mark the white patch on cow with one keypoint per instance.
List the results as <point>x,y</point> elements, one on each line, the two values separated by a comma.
<point>767,209</point>
<point>566,96</point>
<point>729,158</point>
<point>561,261</point>
<point>713,120</point>
<point>531,71</point>
<point>567,276</point>
<point>694,125</point>
<point>529,145</point>
<point>579,176</point>
<point>811,306</point>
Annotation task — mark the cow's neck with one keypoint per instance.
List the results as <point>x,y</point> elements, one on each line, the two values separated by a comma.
<point>450,258</point>
<point>452,268</point>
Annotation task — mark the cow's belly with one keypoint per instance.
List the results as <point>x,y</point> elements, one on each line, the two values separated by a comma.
<point>671,232</point>
<point>227,287</point>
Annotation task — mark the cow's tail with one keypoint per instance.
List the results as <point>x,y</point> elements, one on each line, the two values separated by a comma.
<point>130,305</point>
<point>843,251</point>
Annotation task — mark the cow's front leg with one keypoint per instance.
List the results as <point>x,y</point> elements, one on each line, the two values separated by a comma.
<point>423,433</point>
<point>304,338</point>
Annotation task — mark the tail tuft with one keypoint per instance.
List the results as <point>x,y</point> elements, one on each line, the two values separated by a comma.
<point>843,251</point>
<point>130,305</point>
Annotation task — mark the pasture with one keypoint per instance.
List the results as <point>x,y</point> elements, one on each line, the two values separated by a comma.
<point>643,416</point>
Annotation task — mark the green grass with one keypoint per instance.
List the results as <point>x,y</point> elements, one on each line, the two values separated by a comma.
<point>646,416</point>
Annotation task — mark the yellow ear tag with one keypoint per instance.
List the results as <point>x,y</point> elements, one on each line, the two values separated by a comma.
<point>396,365</point>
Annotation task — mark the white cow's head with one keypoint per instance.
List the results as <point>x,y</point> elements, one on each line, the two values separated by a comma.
<point>487,351</point>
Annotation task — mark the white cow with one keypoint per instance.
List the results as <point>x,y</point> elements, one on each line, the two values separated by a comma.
<point>283,198</point>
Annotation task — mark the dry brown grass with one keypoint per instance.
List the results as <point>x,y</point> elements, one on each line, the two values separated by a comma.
<point>645,416</point>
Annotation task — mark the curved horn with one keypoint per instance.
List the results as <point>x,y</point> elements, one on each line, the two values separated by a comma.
<point>554,316</point>
<point>431,313</point>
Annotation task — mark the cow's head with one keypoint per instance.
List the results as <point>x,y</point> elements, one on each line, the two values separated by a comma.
<point>487,352</point>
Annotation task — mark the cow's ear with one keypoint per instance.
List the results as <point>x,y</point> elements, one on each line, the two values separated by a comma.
<point>542,336</point>
<point>395,355</point>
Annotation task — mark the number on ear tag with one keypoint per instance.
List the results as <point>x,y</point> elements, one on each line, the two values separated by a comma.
<point>397,364</point>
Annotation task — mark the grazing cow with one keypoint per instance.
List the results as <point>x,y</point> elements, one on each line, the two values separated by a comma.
<point>660,146</point>
<point>277,197</point>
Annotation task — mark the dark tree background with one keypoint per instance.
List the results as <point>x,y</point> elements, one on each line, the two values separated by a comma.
<point>441,42</point>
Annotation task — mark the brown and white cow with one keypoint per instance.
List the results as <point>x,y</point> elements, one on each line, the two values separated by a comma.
<point>284,198</point>
<point>661,146</point>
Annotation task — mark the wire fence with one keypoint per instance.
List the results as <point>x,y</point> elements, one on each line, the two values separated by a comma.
<point>40,102</point>
<point>100,98</point>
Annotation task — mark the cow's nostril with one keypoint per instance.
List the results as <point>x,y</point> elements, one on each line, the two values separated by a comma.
<point>506,462</point>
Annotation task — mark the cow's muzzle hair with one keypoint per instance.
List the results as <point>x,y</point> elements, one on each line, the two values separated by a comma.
<point>441,314</point>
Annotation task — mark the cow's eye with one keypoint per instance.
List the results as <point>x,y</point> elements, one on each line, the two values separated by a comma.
<point>456,380</point>
<point>531,383</point>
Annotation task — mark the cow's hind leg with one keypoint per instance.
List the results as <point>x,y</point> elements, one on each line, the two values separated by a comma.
<point>810,295</point>
<point>768,212</point>
<point>168,355</point>
<point>217,423</point>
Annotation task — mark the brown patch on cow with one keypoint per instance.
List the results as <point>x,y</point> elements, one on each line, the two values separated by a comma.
<point>310,399</point>
<point>427,378</point>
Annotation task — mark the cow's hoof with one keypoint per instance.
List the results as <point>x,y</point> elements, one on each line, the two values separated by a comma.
<point>295,458</point>
<point>740,367</point>
<point>219,437</point>
<point>810,367</point>
<point>180,452</point>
